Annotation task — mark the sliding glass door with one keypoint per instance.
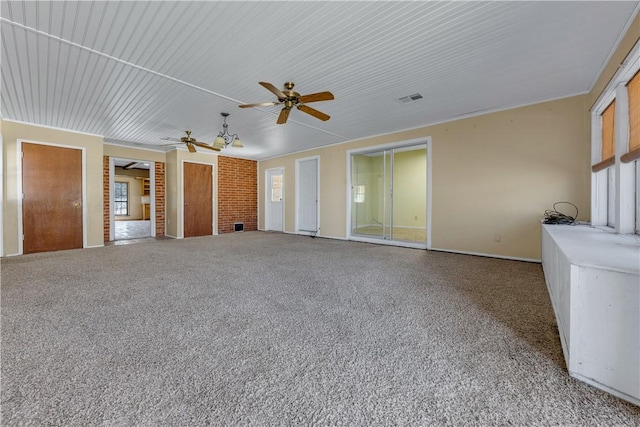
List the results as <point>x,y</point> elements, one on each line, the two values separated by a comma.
<point>389,195</point>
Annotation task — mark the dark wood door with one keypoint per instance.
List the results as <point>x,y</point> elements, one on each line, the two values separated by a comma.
<point>52,203</point>
<point>198,199</point>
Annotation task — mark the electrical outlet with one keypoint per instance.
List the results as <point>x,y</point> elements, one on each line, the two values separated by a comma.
<point>497,238</point>
<point>416,217</point>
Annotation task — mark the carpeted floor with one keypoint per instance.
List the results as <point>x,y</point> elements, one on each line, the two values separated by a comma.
<point>269,329</point>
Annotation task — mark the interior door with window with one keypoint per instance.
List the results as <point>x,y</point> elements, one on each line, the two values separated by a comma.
<point>274,196</point>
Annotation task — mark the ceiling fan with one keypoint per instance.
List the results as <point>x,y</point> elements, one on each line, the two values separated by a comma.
<point>290,98</point>
<point>190,142</point>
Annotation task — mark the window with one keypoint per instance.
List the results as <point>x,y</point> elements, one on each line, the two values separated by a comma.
<point>615,151</point>
<point>121,198</point>
<point>633,154</point>
<point>608,132</point>
<point>276,188</point>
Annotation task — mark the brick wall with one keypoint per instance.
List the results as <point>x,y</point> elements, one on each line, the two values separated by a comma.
<point>105,196</point>
<point>160,198</point>
<point>237,193</point>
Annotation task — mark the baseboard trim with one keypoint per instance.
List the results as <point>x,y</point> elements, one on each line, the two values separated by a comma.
<point>94,246</point>
<point>482,254</point>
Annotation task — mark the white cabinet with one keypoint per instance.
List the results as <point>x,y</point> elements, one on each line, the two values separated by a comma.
<point>593,277</point>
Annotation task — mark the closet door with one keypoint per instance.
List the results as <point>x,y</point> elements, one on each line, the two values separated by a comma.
<point>198,199</point>
<point>52,203</point>
<point>307,188</point>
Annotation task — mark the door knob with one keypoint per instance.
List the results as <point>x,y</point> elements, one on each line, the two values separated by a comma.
<point>76,204</point>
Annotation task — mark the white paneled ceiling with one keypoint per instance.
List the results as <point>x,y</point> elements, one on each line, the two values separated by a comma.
<point>136,72</point>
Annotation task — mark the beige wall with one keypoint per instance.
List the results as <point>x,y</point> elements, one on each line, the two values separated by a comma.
<point>492,174</point>
<point>11,133</point>
<point>133,153</point>
<point>174,183</point>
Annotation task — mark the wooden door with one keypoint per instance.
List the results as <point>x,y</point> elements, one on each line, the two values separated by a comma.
<point>198,199</point>
<point>52,203</point>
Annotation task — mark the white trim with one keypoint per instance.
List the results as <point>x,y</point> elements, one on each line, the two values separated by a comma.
<point>214,198</point>
<point>152,193</point>
<point>53,128</point>
<point>297,196</point>
<point>426,141</point>
<point>152,198</point>
<point>19,194</point>
<point>267,196</point>
<point>482,254</point>
<point>94,246</point>
<point>112,186</point>
<point>2,180</point>
<point>83,153</point>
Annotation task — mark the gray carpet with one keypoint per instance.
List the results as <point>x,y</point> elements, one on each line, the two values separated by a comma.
<point>269,329</point>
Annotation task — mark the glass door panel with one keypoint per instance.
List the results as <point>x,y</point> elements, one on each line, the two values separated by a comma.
<point>367,194</point>
<point>409,211</point>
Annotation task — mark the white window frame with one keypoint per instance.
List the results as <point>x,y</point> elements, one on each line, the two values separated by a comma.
<point>623,204</point>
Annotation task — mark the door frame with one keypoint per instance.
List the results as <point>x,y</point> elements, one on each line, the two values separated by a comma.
<point>2,196</point>
<point>214,197</point>
<point>394,145</point>
<point>298,161</point>
<point>83,151</point>
<point>267,196</point>
<point>152,193</point>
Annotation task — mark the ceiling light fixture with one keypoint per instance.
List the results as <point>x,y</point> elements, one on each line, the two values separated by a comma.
<point>224,139</point>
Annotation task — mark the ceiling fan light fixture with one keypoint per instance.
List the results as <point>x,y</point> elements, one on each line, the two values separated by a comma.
<point>224,138</point>
<point>219,142</point>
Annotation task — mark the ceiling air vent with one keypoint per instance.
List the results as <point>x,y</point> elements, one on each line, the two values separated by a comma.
<point>410,98</point>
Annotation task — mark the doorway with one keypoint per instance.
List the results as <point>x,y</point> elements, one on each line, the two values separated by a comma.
<point>198,199</point>
<point>307,196</point>
<point>132,199</point>
<point>389,195</point>
<point>53,202</point>
<point>274,196</point>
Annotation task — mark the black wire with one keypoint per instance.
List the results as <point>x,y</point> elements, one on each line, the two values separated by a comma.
<point>552,216</point>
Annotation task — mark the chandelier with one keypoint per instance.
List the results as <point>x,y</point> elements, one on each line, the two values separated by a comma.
<point>224,139</point>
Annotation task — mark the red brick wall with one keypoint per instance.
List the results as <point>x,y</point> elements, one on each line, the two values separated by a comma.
<point>237,193</point>
<point>105,196</point>
<point>160,198</point>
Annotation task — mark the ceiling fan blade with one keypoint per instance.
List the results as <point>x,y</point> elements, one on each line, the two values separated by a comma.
<point>315,113</point>
<point>191,148</point>
<point>274,90</point>
<point>284,115</point>
<point>260,104</point>
<point>315,97</point>
<point>203,145</point>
